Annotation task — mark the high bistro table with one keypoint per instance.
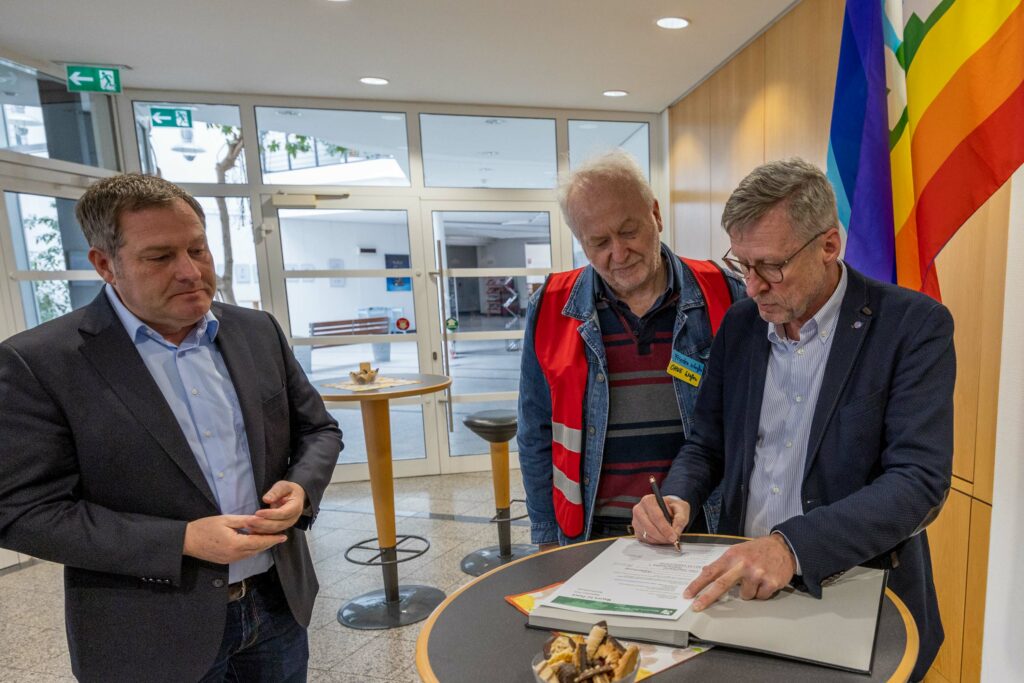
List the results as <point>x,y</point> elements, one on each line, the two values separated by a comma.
<point>395,605</point>
<point>475,631</point>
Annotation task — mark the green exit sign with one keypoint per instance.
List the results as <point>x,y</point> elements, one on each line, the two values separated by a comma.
<point>170,117</point>
<point>104,79</point>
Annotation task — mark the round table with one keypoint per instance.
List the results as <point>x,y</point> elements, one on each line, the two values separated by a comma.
<point>475,630</point>
<point>395,605</point>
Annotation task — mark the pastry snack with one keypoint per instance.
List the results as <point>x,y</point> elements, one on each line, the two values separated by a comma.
<point>595,658</point>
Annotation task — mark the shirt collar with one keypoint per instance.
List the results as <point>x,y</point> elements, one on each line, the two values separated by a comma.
<point>207,327</point>
<point>823,323</point>
<point>603,291</point>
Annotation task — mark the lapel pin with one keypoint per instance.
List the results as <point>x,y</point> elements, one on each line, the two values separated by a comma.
<point>866,310</point>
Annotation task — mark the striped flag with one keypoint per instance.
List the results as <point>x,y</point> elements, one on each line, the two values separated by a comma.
<point>927,122</point>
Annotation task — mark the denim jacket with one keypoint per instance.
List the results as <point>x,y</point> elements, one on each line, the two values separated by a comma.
<point>691,337</point>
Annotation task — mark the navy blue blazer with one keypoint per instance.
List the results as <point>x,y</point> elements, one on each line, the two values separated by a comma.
<point>880,452</point>
<point>96,474</point>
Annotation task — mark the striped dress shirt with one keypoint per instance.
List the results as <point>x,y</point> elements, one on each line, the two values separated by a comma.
<point>791,386</point>
<point>195,382</point>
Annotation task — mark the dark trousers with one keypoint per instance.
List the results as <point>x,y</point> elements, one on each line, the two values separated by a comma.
<point>262,641</point>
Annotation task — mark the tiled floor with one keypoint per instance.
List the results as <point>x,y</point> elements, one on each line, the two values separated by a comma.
<point>32,640</point>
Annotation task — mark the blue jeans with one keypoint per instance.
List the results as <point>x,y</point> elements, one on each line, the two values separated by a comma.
<point>262,641</point>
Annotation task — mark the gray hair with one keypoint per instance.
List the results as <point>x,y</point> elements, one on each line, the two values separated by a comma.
<point>808,195</point>
<point>615,167</point>
<point>100,208</point>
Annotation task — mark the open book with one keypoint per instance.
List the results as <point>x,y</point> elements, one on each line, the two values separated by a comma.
<point>838,630</point>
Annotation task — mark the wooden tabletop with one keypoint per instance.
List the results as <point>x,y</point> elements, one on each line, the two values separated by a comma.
<point>474,630</point>
<point>425,384</point>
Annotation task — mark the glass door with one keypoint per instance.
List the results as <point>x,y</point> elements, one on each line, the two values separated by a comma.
<point>488,257</point>
<point>348,284</point>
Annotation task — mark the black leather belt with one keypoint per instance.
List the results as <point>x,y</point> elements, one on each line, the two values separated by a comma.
<point>602,528</point>
<point>239,589</point>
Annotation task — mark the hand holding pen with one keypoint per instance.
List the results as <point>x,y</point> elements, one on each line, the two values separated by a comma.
<point>664,508</point>
<point>657,521</point>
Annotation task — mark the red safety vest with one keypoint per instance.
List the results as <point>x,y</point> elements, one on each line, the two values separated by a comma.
<point>559,349</point>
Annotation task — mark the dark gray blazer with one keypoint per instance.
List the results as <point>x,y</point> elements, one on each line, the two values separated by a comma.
<point>880,452</point>
<point>96,474</point>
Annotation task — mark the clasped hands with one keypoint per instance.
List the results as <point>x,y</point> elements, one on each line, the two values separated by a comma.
<point>761,567</point>
<point>228,538</point>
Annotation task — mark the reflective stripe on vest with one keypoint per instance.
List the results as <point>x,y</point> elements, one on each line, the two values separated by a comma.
<point>558,346</point>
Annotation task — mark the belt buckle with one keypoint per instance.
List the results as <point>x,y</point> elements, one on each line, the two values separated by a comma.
<point>237,591</point>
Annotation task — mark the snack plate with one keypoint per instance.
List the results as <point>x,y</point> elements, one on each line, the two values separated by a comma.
<point>628,678</point>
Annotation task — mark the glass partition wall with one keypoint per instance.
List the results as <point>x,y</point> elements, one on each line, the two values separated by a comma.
<point>437,221</point>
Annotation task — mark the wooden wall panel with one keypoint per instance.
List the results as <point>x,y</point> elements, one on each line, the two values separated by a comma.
<point>958,266</point>
<point>992,299</point>
<point>737,130</point>
<point>948,538</point>
<point>801,58</point>
<point>977,574</point>
<point>690,174</point>
<point>972,269</point>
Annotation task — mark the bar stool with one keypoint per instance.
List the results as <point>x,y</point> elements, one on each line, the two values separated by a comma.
<point>497,427</point>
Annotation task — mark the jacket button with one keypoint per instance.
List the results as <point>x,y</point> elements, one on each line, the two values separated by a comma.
<point>600,377</point>
<point>218,583</point>
<point>591,430</point>
<point>586,481</point>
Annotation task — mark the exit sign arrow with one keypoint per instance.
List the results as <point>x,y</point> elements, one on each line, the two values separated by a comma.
<point>78,78</point>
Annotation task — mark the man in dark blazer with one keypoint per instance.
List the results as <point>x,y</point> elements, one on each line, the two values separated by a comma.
<point>168,451</point>
<point>826,412</point>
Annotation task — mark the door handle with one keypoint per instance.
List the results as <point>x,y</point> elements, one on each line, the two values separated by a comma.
<point>445,364</point>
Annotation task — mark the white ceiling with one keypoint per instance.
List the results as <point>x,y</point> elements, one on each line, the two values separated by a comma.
<point>542,53</point>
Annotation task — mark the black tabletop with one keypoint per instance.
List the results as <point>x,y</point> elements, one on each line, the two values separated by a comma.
<point>476,636</point>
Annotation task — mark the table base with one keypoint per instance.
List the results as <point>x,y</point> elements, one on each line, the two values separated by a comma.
<point>484,560</point>
<point>372,611</point>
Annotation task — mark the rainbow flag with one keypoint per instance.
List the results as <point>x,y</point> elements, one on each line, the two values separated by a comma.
<point>927,122</point>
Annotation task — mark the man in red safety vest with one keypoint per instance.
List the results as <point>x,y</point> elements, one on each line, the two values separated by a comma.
<point>612,358</point>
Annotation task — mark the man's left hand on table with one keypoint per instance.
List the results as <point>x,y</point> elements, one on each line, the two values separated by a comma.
<point>287,500</point>
<point>761,567</point>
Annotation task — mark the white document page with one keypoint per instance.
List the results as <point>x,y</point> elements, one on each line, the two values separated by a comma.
<point>634,578</point>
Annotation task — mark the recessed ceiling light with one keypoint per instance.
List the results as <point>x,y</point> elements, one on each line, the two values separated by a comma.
<point>673,22</point>
<point>373,80</point>
<point>615,93</point>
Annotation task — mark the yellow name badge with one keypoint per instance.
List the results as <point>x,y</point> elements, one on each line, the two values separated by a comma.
<point>685,368</point>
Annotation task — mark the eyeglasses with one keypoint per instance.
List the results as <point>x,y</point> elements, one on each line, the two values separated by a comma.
<point>769,272</point>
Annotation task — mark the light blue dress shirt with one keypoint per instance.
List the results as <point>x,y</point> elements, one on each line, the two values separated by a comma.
<point>194,380</point>
<point>791,387</point>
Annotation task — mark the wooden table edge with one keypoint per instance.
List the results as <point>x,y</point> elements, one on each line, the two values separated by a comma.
<point>906,665</point>
<point>426,672</point>
<point>400,391</point>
